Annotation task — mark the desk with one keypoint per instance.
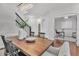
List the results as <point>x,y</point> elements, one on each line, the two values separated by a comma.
<point>32,49</point>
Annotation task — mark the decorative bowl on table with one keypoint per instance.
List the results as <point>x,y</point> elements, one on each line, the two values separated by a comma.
<point>30,39</point>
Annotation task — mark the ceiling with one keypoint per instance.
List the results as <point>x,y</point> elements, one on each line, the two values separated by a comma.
<point>7,10</point>
<point>43,9</point>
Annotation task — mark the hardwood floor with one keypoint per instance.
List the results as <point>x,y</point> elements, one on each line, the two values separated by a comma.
<point>77,51</point>
<point>73,48</point>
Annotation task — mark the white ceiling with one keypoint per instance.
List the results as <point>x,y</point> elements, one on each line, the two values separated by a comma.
<point>43,9</point>
<point>7,10</point>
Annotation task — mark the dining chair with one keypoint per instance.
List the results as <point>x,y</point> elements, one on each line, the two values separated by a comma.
<point>5,45</point>
<point>13,51</point>
<point>42,35</point>
<point>32,33</point>
<point>64,50</point>
<point>10,49</point>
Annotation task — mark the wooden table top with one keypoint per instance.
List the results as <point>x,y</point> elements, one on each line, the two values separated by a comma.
<point>32,49</point>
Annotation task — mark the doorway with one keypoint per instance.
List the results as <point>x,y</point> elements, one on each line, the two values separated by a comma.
<point>66,28</point>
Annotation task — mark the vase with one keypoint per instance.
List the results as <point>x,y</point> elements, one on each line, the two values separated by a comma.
<point>22,34</point>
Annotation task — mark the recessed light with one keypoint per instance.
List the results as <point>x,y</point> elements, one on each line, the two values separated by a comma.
<point>66,17</point>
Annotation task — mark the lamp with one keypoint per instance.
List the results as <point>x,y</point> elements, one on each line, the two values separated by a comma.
<point>39,27</point>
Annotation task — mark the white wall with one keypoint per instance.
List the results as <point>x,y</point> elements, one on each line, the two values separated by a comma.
<point>77,29</point>
<point>59,11</point>
<point>59,21</point>
<point>48,26</point>
<point>68,30</point>
<point>51,14</point>
<point>7,20</point>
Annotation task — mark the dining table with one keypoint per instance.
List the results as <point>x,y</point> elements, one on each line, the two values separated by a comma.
<point>36,48</point>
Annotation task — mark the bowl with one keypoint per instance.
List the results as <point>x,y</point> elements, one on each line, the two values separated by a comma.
<point>30,39</point>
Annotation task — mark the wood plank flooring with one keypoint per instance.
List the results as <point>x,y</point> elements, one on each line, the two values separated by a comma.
<point>73,49</point>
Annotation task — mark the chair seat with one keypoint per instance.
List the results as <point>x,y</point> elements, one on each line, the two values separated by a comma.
<point>48,54</point>
<point>64,50</point>
<point>53,50</point>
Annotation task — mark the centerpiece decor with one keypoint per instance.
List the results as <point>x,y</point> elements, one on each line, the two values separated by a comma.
<point>24,28</point>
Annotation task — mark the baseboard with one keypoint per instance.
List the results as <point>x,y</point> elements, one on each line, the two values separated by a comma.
<point>2,48</point>
<point>77,44</point>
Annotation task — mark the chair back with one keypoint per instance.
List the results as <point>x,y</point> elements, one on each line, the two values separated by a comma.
<point>10,49</point>
<point>64,50</point>
<point>4,41</point>
<point>13,51</point>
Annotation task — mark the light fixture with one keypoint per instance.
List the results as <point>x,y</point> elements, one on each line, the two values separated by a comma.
<point>25,6</point>
<point>39,21</point>
<point>39,26</point>
<point>66,17</point>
